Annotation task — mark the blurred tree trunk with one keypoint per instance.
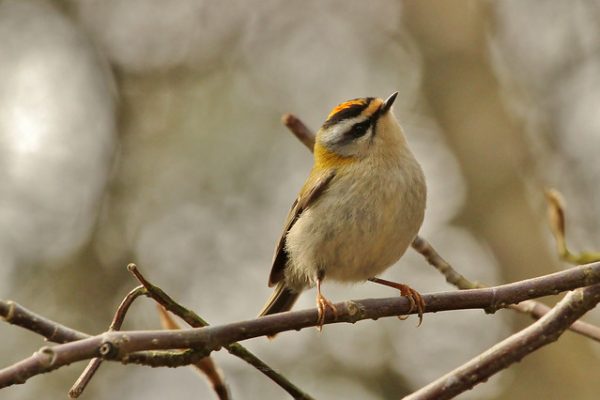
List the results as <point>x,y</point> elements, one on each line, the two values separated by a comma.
<point>462,92</point>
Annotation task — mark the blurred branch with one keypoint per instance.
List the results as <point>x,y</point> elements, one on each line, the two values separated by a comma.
<point>236,349</point>
<point>423,247</point>
<point>300,130</point>
<point>556,216</point>
<point>206,366</point>
<point>542,332</point>
<point>534,308</point>
<point>119,345</point>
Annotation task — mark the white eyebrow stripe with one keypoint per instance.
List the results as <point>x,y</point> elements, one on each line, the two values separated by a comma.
<point>337,131</point>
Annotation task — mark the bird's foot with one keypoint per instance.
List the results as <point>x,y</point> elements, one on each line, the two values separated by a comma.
<point>416,300</point>
<point>322,305</point>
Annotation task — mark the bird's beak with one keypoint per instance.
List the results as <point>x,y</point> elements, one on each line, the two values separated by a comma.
<point>388,103</point>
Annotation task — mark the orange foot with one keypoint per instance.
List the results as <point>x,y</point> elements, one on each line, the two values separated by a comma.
<point>322,304</point>
<point>416,300</point>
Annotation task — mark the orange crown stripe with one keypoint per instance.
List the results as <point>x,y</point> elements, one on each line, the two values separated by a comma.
<point>345,105</point>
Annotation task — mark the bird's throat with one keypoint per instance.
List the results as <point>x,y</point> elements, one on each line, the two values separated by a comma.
<point>326,159</point>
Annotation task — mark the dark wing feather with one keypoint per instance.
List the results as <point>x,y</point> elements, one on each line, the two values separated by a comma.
<point>303,201</point>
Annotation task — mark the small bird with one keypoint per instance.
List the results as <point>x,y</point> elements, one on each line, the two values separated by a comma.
<point>359,210</point>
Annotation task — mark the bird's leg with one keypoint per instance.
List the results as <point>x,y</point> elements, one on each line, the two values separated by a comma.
<point>416,300</point>
<point>323,304</point>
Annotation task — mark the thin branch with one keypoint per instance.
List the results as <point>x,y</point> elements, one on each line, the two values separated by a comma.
<point>169,358</point>
<point>423,247</point>
<point>89,371</point>
<point>162,298</point>
<point>206,366</point>
<point>542,332</point>
<point>120,345</point>
<point>53,331</point>
<point>537,310</point>
<point>301,131</point>
<point>16,314</point>
<point>236,349</point>
<point>533,308</point>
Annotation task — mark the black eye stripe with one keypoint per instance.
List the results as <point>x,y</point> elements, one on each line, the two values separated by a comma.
<point>348,112</point>
<point>358,129</point>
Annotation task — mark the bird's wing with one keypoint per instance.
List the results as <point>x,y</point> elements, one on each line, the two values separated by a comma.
<point>314,187</point>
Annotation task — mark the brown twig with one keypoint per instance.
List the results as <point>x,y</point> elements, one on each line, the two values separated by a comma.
<point>301,131</point>
<point>53,331</point>
<point>423,247</point>
<point>535,309</point>
<point>206,366</point>
<point>542,332</point>
<point>89,371</point>
<point>120,345</point>
<point>236,349</point>
<point>16,314</point>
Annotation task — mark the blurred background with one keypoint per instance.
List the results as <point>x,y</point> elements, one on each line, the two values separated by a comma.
<point>149,132</point>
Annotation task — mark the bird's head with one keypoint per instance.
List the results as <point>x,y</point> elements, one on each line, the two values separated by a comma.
<point>353,129</point>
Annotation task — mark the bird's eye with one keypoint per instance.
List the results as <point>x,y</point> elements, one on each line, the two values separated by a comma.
<point>357,130</point>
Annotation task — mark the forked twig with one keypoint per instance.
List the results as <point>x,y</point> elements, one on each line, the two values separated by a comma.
<point>205,365</point>
<point>236,349</point>
<point>89,371</point>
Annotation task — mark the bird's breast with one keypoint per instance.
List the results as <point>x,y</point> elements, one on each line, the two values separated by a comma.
<point>361,224</point>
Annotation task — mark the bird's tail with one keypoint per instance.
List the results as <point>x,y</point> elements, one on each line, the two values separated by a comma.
<point>281,300</point>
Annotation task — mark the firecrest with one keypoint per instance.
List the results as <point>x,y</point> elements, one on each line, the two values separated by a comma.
<point>358,211</point>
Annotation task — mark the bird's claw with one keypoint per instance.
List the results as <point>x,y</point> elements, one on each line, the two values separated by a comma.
<point>416,301</point>
<point>322,305</point>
